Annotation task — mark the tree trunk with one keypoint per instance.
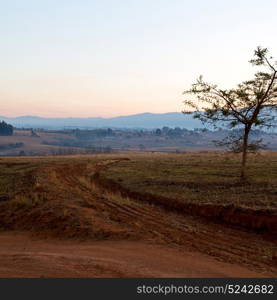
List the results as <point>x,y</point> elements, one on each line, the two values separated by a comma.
<point>244,151</point>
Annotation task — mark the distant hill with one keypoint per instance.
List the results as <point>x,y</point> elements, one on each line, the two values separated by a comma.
<point>143,121</point>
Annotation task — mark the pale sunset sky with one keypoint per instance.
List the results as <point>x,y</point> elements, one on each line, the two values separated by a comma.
<point>87,58</point>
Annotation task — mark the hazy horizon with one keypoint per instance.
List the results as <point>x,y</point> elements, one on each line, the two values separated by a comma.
<point>96,116</point>
<point>109,58</point>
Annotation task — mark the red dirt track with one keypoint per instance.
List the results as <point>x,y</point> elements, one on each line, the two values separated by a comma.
<point>23,256</point>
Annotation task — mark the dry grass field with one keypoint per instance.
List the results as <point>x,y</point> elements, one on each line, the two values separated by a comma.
<point>202,178</point>
<point>32,145</point>
<point>191,203</point>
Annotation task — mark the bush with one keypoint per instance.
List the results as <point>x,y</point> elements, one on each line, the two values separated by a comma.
<point>6,129</point>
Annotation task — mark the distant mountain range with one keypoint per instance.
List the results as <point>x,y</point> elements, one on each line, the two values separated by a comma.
<point>138,121</point>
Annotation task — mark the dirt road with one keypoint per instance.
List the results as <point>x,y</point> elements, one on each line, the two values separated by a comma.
<point>23,256</point>
<point>123,237</point>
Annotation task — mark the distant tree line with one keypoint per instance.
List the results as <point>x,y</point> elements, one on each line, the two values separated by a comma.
<point>105,133</point>
<point>5,129</point>
<point>176,132</point>
<point>97,133</point>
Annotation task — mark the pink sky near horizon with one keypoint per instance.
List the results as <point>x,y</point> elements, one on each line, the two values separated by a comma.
<point>108,58</point>
<point>80,98</point>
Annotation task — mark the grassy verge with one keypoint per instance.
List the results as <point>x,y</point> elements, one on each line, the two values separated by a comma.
<point>202,178</point>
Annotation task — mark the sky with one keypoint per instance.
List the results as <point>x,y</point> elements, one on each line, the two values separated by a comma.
<point>89,58</point>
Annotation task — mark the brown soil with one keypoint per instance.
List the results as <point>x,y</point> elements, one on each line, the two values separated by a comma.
<point>22,256</point>
<point>108,234</point>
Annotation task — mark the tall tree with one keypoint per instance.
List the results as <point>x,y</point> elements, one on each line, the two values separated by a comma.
<point>252,103</point>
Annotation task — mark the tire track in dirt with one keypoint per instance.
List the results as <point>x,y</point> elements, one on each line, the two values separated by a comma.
<point>227,243</point>
<point>255,220</point>
<point>84,208</point>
